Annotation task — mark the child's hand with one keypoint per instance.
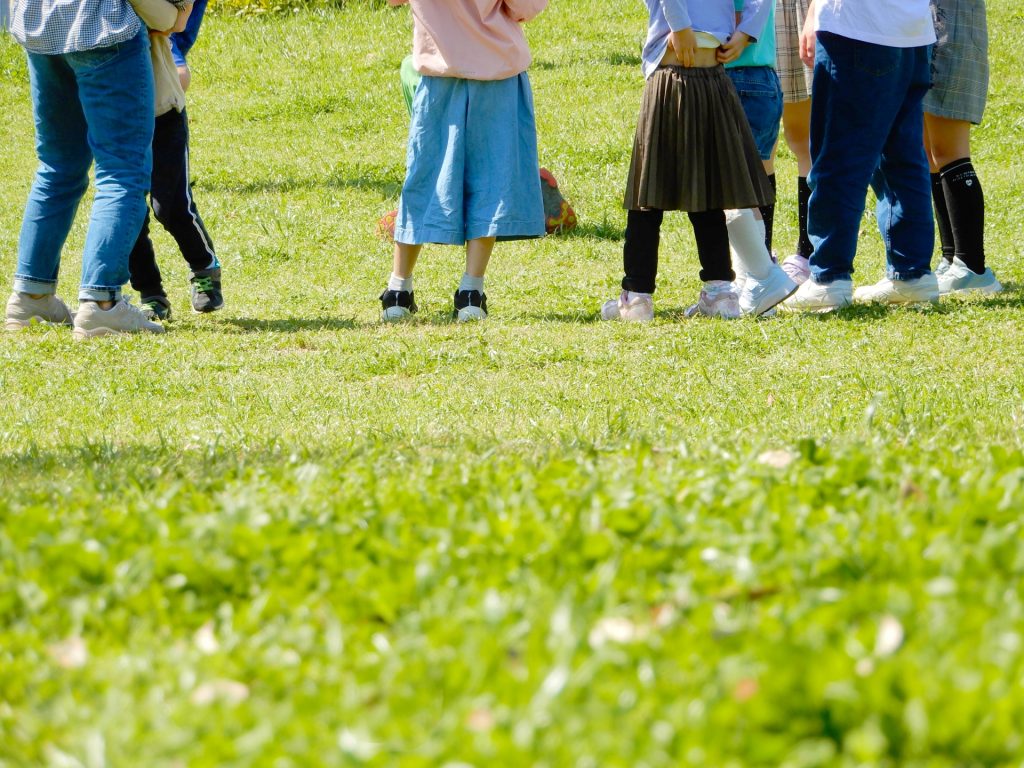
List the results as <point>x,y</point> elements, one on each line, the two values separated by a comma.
<point>732,49</point>
<point>182,20</point>
<point>808,37</point>
<point>684,43</point>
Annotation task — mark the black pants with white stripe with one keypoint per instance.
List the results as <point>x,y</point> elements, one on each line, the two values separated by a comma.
<point>173,206</point>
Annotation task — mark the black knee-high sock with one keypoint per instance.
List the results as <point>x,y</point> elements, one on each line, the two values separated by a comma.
<point>712,236</point>
<point>942,218</point>
<point>803,194</point>
<point>966,205</point>
<point>768,214</point>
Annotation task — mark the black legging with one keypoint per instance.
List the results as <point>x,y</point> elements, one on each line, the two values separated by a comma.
<point>640,251</point>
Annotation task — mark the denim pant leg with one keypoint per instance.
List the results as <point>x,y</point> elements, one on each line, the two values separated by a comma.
<point>61,178</point>
<point>859,91</point>
<point>115,86</point>
<point>902,183</point>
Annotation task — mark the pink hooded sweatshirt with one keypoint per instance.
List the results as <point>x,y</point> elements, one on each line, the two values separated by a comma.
<point>471,39</point>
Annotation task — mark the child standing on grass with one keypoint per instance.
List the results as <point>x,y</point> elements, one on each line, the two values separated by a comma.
<point>871,73</point>
<point>955,102</point>
<point>750,63</point>
<point>693,152</point>
<point>795,77</point>
<point>171,188</point>
<point>472,156</point>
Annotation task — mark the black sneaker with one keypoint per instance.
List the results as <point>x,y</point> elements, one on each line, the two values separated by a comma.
<point>470,305</point>
<point>397,305</point>
<point>156,307</point>
<point>206,295</point>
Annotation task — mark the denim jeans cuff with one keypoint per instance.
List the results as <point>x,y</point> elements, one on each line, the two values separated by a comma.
<point>908,274</point>
<point>93,293</point>
<point>828,279</point>
<point>32,285</point>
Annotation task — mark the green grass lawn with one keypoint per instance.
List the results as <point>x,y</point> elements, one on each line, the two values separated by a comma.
<point>284,535</point>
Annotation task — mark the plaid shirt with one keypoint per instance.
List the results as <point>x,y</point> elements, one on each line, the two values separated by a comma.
<point>52,27</point>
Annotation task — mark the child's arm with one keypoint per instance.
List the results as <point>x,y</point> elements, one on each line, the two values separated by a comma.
<point>682,41</point>
<point>156,14</point>
<point>809,36</point>
<point>524,10</point>
<point>754,18</point>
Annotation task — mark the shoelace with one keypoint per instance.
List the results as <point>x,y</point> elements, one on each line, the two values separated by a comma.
<point>203,284</point>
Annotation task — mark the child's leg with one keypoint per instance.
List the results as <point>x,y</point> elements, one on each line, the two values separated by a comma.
<point>712,236</point>
<point>796,125</point>
<point>470,299</point>
<point>172,192</point>
<point>640,250</point>
<point>145,274</point>
<point>957,193</point>
<point>478,254</point>
<point>404,261</point>
<point>747,239</point>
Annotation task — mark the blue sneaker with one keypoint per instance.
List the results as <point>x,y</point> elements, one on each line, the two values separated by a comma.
<point>960,279</point>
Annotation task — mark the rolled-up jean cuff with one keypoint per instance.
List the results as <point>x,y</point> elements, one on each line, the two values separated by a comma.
<point>34,286</point>
<point>93,293</point>
<point>907,274</point>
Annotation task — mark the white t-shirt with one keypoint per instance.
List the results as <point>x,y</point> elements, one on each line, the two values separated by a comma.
<point>896,23</point>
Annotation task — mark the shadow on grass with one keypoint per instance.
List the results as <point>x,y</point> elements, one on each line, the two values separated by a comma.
<point>379,181</point>
<point>602,230</point>
<point>624,59</point>
<point>289,325</point>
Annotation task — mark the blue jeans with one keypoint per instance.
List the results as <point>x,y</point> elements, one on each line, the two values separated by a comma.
<point>866,127</point>
<point>761,96</point>
<point>88,105</point>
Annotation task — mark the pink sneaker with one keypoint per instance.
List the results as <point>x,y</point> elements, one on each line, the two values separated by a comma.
<point>718,299</point>
<point>638,309</point>
<point>798,268</point>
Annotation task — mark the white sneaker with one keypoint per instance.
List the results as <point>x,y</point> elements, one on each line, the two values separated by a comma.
<point>717,299</point>
<point>757,297</point>
<point>820,297</point>
<point>638,309</point>
<point>798,268</point>
<point>123,317</point>
<point>739,282</point>
<point>942,267</point>
<point>959,278</point>
<point>23,311</point>
<point>886,291</point>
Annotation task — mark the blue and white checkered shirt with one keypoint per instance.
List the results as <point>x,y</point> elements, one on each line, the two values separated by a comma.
<point>52,27</point>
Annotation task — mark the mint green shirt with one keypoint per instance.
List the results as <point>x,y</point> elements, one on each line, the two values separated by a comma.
<point>760,53</point>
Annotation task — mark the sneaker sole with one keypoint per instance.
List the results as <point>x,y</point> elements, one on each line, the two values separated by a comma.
<point>81,334</point>
<point>987,290</point>
<point>12,325</point>
<point>207,311</point>
<point>470,314</point>
<point>901,302</point>
<point>395,315</point>
<point>776,303</point>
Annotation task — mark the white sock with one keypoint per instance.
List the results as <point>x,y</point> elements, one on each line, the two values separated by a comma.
<point>746,242</point>
<point>470,283</point>
<point>396,283</point>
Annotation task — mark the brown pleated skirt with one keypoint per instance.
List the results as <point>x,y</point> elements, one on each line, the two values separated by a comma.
<point>693,149</point>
